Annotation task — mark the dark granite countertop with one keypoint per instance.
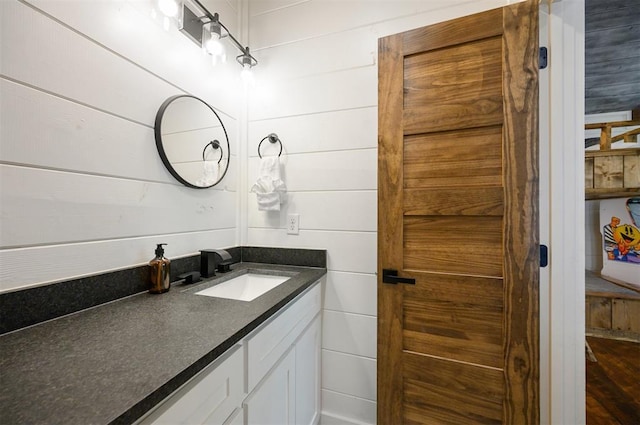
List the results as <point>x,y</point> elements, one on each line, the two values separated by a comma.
<point>114,362</point>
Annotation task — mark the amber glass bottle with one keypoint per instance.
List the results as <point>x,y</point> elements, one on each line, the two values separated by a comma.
<point>160,272</point>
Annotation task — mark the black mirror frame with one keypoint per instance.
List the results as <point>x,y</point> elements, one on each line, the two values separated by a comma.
<point>163,154</point>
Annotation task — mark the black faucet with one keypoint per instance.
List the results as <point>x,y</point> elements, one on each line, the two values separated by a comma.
<point>210,259</point>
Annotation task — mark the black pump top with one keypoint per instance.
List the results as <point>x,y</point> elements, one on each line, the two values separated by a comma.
<point>160,250</point>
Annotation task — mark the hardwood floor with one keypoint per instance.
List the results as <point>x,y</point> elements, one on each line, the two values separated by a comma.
<point>613,383</point>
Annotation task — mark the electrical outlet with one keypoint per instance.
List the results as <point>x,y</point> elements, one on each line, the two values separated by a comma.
<point>293,221</point>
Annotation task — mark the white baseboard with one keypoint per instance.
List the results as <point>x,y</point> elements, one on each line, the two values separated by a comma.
<point>329,419</point>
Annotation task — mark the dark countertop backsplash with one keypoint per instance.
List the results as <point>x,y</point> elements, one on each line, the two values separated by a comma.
<point>30,306</point>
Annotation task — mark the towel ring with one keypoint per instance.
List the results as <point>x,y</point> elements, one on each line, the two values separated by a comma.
<point>273,138</point>
<point>214,145</point>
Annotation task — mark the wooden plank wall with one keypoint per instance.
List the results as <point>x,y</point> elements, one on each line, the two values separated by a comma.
<point>83,188</point>
<point>616,318</point>
<point>317,88</point>
<point>612,55</point>
<point>612,173</point>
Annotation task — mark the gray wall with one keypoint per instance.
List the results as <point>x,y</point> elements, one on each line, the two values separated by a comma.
<point>612,62</point>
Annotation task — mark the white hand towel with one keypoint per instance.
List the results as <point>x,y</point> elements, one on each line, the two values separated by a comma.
<point>268,201</point>
<point>269,188</point>
<point>270,167</point>
<point>209,174</point>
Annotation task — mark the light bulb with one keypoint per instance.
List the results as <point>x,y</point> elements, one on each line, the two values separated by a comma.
<point>211,43</point>
<point>169,8</point>
<point>246,75</point>
<point>213,46</point>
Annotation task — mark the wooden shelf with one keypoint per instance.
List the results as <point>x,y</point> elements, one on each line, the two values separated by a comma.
<point>611,311</point>
<point>612,173</point>
<point>598,286</point>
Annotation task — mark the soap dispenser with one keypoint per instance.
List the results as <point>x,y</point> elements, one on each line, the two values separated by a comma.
<point>160,273</point>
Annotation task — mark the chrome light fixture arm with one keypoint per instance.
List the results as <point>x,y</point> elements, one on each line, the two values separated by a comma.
<point>245,58</point>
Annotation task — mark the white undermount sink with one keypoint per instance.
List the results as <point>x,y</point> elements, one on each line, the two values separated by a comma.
<point>245,287</point>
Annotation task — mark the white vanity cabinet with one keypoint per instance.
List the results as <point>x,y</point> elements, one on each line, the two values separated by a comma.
<point>210,397</point>
<point>271,377</point>
<point>308,363</point>
<point>274,401</point>
<point>290,392</point>
<point>283,375</point>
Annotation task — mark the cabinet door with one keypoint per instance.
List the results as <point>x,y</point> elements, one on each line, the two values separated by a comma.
<point>308,375</point>
<point>273,400</point>
<point>209,398</point>
<point>269,344</point>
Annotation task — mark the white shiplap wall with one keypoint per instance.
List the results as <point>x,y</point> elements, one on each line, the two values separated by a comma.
<point>83,188</point>
<point>316,87</point>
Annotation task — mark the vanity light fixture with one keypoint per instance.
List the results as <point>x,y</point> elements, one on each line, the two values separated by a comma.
<point>171,12</point>
<point>211,35</point>
<point>207,31</point>
<point>247,61</point>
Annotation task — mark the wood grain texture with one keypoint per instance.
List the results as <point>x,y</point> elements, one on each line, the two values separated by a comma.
<point>464,72</point>
<point>481,201</point>
<point>605,286</point>
<point>598,313</point>
<point>612,383</point>
<point>612,46</point>
<point>470,123</point>
<point>617,152</point>
<point>588,173</point>
<point>622,70</point>
<point>456,158</point>
<point>455,317</point>
<point>521,256</point>
<point>389,357</point>
<point>443,392</point>
<point>608,172</point>
<point>451,244</point>
<point>631,172</point>
<point>610,193</point>
<point>464,81</point>
<point>625,315</point>
<point>451,33</point>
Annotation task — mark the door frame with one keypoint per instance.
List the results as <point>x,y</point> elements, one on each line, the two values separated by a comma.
<point>562,330</point>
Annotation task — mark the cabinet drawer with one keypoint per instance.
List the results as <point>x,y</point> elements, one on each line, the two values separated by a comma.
<point>209,398</point>
<point>271,341</point>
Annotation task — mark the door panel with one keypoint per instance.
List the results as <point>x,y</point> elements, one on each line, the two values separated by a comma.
<point>453,244</point>
<point>454,317</point>
<point>470,28</point>
<point>463,80</point>
<point>455,158</point>
<point>454,201</point>
<point>458,213</point>
<point>443,392</point>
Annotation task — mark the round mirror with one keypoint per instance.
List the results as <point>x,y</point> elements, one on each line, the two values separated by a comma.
<point>192,141</point>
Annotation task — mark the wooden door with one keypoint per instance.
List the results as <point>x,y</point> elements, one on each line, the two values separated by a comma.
<point>458,213</point>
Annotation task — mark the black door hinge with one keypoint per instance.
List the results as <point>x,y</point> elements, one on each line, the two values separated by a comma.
<point>544,256</point>
<point>543,57</point>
